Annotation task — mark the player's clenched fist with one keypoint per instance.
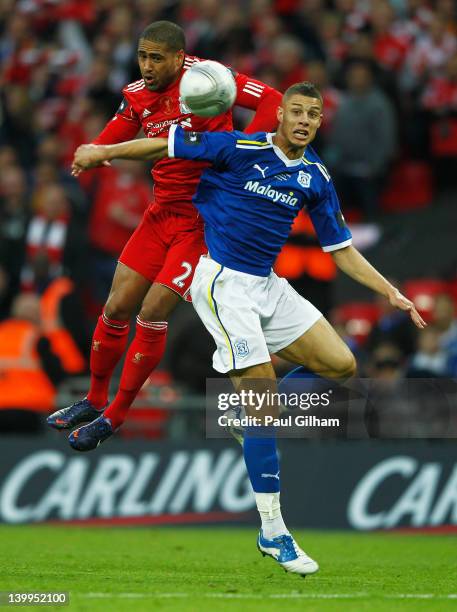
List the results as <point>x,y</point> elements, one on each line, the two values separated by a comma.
<point>88,156</point>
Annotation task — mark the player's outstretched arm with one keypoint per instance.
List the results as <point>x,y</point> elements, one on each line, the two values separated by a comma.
<point>92,156</point>
<point>354,264</point>
<point>261,98</point>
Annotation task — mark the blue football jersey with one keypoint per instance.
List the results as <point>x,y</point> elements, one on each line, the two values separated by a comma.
<point>252,193</point>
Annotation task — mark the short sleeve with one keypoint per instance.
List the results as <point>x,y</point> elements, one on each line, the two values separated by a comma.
<point>216,147</point>
<point>126,111</point>
<point>125,125</point>
<point>327,218</point>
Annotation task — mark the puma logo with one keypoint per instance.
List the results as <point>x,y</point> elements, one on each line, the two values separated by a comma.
<point>271,475</point>
<point>138,357</point>
<point>261,170</point>
<point>96,345</point>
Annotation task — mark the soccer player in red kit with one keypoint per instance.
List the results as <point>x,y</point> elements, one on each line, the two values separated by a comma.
<point>155,268</point>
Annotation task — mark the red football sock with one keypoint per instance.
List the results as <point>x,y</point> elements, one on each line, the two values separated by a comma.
<point>143,355</point>
<point>108,345</point>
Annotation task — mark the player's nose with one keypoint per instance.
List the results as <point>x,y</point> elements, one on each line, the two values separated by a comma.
<point>147,66</point>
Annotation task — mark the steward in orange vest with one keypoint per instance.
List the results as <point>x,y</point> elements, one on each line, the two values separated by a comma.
<point>23,381</point>
<point>62,342</point>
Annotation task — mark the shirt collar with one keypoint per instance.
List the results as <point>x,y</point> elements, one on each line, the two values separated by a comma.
<point>281,155</point>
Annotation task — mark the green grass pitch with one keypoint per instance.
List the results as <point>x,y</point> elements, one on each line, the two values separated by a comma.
<point>204,569</point>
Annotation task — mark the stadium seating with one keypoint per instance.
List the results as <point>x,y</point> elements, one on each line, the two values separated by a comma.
<point>452,290</point>
<point>410,186</point>
<point>423,293</point>
<point>358,319</point>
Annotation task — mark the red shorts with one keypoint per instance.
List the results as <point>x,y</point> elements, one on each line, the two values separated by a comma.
<point>165,248</point>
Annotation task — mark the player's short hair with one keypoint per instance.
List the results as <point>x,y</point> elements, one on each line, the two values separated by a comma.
<point>165,32</point>
<point>303,89</point>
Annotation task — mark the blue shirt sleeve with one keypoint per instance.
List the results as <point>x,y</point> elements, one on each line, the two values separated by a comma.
<point>216,147</point>
<point>327,218</point>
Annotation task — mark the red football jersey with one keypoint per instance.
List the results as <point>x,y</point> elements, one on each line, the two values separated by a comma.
<point>175,180</point>
<point>116,190</point>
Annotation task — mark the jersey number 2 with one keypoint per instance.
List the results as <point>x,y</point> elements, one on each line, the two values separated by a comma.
<point>179,280</point>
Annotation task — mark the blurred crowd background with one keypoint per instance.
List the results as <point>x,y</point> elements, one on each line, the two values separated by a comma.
<point>388,74</point>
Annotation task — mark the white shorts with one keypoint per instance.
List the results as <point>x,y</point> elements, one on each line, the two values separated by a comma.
<point>249,317</point>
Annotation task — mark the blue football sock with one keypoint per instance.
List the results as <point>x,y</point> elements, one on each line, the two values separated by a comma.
<point>261,458</point>
<point>300,372</point>
<point>301,380</point>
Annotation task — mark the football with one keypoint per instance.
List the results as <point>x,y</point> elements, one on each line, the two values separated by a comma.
<point>207,89</point>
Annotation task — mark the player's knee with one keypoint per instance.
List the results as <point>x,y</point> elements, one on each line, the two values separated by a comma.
<point>155,310</point>
<point>117,308</point>
<point>345,366</point>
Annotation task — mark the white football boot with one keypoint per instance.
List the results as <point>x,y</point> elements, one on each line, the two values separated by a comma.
<point>288,554</point>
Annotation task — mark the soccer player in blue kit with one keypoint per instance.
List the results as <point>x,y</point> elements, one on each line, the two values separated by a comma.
<point>249,198</point>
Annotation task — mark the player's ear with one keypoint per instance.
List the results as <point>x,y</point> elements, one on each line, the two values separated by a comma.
<point>279,114</point>
<point>180,58</point>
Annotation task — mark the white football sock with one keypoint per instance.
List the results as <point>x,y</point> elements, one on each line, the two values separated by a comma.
<point>269,508</point>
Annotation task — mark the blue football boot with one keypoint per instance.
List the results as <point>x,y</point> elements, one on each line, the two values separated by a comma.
<point>287,553</point>
<point>77,413</point>
<point>88,437</point>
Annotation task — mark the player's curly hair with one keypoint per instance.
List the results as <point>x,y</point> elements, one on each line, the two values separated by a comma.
<point>165,32</point>
<point>306,88</point>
